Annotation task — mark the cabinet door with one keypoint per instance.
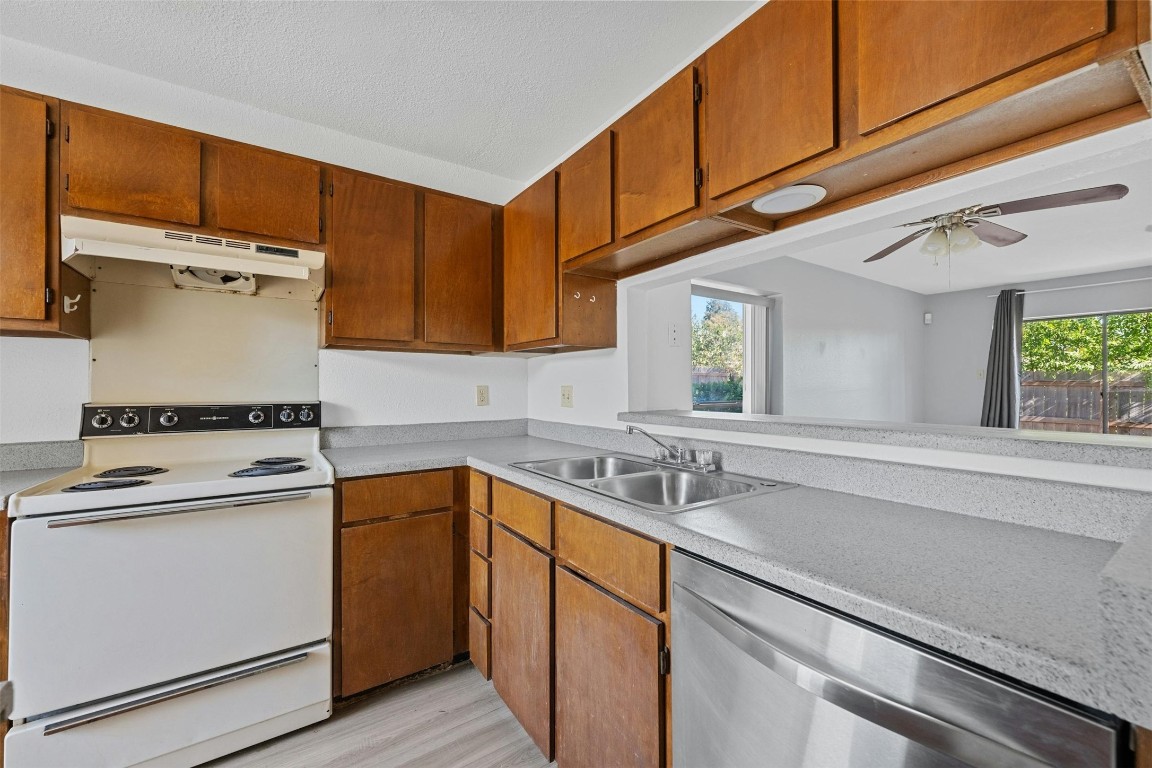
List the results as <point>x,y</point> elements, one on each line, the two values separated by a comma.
<point>522,633</point>
<point>656,156</point>
<point>118,164</point>
<point>267,194</point>
<point>457,271</point>
<point>609,690</point>
<point>585,204</point>
<point>770,99</point>
<point>588,317</point>
<point>912,54</point>
<point>372,259</point>
<point>23,206</point>
<point>395,600</point>
<point>530,265</point>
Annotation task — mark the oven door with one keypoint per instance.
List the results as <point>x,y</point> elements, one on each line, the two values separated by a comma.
<point>104,603</point>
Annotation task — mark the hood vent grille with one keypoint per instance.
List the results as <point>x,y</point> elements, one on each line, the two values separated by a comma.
<point>184,236</point>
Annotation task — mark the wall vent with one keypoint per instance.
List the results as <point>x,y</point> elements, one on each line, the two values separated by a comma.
<point>178,236</point>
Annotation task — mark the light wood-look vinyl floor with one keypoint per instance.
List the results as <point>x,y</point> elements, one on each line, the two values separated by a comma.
<point>454,719</point>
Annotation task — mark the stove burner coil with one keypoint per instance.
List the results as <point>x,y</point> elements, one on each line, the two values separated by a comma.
<point>280,469</point>
<point>275,461</point>
<point>104,485</point>
<point>131,471</point>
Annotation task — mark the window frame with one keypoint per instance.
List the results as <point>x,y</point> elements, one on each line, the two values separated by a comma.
<point>757,309</point>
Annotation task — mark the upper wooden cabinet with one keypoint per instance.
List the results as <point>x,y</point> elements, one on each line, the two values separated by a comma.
<point>265,193</point>
<point>769,93</point>
<point>39,296</point>
<point>656,169</point>
<point>121,165</point>
<point>585,213</point>
<point>458,271</point>
<point>911,55</point>
<point>530,264</point>
<point>371,260</point>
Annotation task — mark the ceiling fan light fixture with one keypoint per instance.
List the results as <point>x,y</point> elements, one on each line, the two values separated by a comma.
<point>936,244</point>
<point>962,238</point>
<point>789,199</point>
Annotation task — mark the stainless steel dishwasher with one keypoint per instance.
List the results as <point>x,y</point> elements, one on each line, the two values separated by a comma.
<point>762,678</point>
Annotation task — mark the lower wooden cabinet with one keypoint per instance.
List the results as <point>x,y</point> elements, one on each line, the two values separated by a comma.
<point>609,686</point>
<point>480,642</point>
<point>522,633</point>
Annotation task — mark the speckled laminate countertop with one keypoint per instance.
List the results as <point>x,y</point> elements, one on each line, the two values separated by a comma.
<point>1022,601</point>
<point>15,480</point>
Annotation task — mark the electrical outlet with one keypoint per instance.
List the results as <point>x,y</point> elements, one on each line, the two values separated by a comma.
<point>481,394</point>
<point>565,395</point>
<point>673,334</point>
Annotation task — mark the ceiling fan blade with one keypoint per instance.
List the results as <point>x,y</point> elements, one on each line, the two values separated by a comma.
<point>1058,200</point>
<point>898,245</point>
<point>995,234</point>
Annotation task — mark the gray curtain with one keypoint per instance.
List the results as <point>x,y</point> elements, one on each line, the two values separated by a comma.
<point>1002,378</point>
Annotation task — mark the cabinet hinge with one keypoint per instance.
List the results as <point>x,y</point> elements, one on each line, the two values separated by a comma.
<point>699,177</point>
<point>68,133</point>
<point>697,92</point>
<point>67,180</point>
<point>665,661</point>
<point>321,223</point>
<point>49,296</point>
<point>331,189</point>
<point>321,187</point>
<point>329,317</point>
<point>49,127</point>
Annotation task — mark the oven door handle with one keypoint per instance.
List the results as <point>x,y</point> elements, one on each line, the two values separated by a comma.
<point>141,514</point>
<point>910,723</point>
<point>212,682</point>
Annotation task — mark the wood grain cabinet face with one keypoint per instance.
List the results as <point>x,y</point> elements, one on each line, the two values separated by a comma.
<point>609,690</point>
<point>526,513</point>
<point>585,199</point>
<point>480,643</point>
<point>117,164</point>
<point>522,633</point>
<point>479,584</point>
<point>23,206</point>
<point>267,194</point>
<point>393,495</point>
<point>530,264</point>
<point>478,491</point>
<point>629,564</point>
<point>769,96</point>
<point>372,259</point>
<point>904,65</point>
<point>656,156</point>
<point>457,271</point>
<point>396,599</point>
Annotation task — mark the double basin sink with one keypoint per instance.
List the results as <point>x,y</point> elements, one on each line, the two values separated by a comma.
<point>657,488</point>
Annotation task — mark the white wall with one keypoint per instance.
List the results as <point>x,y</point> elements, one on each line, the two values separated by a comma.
<point>43,383</point>
<point>957,340</point>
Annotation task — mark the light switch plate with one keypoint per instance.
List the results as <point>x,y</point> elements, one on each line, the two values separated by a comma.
<point>565,395</point>
<point>481,394</point>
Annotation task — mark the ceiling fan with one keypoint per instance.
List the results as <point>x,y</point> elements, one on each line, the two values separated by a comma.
<point>966,228</point>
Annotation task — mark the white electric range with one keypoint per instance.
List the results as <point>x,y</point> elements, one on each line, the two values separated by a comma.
<point>171,599</point>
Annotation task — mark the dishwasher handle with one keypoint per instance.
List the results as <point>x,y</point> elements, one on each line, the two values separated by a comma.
<point>899,718</point>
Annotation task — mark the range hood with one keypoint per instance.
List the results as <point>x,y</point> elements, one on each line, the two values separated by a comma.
<point>91,245</point>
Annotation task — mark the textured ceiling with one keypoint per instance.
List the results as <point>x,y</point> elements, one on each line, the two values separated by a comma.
<point>502,87</point>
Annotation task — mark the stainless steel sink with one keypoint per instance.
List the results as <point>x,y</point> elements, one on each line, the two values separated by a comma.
<point>588,467</point>
<point>655,488</point>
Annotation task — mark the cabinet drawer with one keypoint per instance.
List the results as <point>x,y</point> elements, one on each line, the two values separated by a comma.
<point>524,512</point>
<point>479,595</point>
<point>481,533</point>
<point>480,642</point>
<point>478,491</point>
<point>624,562</point>
<point>396,495</point>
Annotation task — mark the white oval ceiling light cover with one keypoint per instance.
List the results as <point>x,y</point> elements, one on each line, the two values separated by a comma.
<point>789,199</point>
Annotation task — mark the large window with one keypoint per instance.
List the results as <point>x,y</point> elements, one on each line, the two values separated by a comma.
<point>1088,374</point>
<point>729,350</point>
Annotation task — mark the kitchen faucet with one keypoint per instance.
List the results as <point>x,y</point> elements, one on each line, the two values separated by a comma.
<point>703,463</point>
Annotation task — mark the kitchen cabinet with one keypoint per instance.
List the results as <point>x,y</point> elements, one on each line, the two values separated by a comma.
<point>458,271</point>
<point>39,296</point>
<point>480,577</point>
<point>770,93</point>
<point>656,170</point>
<point>117,164</point>
<point>899,48</point>
<point>609,682</point>
<point>523,512</point>
<point>266,193</point>
<point>399,587</point>
<point>371,260</point>
<point>522,632</point>
<point>585,207</point>
<point>582,315</point>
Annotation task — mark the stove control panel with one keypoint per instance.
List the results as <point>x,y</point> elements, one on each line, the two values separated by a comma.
<point>120,420</point>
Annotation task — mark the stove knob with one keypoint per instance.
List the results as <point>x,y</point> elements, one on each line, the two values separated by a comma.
<point>305,414</point>
<point>168,419</point>
<point>287,416</point>
<point>129,420</point>
<point>256,416</point>
<point>101,420</point>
